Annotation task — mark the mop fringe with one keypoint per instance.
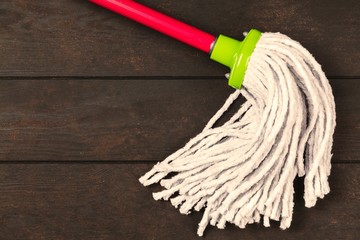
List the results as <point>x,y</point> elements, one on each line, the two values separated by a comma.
<point>245,168</point>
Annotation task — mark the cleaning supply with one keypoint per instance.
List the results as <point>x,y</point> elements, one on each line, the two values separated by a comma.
<point>243,170</point>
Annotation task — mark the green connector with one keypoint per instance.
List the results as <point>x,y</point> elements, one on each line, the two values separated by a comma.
<point>235,54</point>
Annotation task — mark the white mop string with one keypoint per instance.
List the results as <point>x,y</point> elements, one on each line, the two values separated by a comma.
<point>244,169</point>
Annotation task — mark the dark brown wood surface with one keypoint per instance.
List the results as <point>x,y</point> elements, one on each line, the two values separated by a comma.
<point>130,120</point>
<point>77,38</point>
<point>105,201</point>
<point>89,101</point>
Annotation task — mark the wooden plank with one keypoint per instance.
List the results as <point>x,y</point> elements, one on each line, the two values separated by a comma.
<point>77,38</point>
<point>96,201</point>
<point>138,120</point>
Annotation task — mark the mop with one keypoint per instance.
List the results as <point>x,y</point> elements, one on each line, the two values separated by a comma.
<point>242,171</point>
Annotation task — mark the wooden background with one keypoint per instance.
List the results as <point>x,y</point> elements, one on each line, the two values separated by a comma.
<point>89,101</point>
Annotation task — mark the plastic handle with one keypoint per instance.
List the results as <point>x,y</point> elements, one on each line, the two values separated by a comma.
<point>160,22</point>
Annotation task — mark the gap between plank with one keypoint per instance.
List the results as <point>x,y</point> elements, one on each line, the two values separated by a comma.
<point>117,162</point>
<point>134,77</point>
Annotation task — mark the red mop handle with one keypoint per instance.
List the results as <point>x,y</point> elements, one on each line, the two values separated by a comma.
<point>160,22</point>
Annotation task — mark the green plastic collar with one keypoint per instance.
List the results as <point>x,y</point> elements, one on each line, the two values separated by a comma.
<point>235,54</point>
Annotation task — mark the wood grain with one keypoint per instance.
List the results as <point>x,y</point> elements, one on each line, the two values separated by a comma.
<point>77,38</point>
<point>90,100</point>
<point>105,201</point>
<point>132,120</point>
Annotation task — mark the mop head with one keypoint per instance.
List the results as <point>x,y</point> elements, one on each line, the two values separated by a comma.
<point>244,170</point>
